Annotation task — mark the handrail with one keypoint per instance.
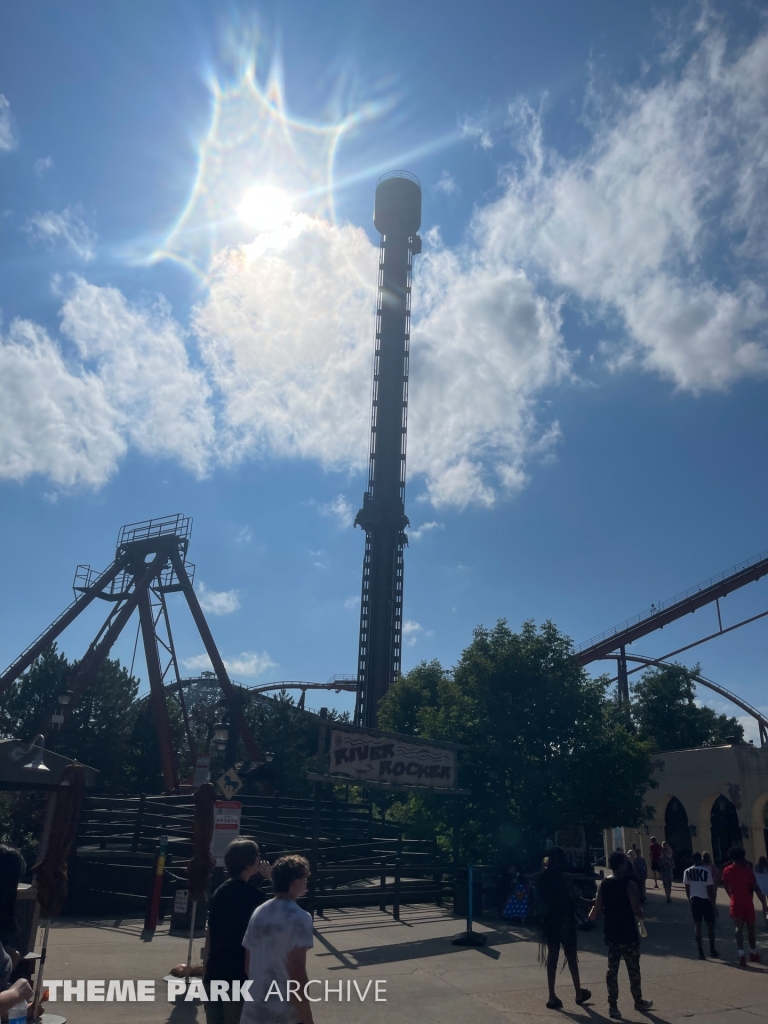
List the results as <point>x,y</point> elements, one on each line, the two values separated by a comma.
<point>674,607</point>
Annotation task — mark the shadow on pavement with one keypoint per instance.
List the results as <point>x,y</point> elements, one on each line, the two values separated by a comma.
<point>368,956</point>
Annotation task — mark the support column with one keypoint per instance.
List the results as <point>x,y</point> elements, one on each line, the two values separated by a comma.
<point>157,690</point>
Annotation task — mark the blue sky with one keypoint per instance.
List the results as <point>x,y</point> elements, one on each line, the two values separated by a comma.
<point>587,429</point>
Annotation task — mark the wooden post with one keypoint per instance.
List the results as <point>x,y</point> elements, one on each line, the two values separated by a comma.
<point>396,907</point>
<point>139,822</point>
<point>316,813</point>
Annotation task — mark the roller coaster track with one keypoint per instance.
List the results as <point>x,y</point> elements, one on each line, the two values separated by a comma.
<point>761,720</point>
<point>660,615</point>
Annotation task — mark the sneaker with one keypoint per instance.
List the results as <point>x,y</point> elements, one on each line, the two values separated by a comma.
<point>755,958</point>
<point>713,953</point>
<point>643,1004</point>
<point>584,996</point>
<point>742,961</point>
<point>701,954</point>
<point>614,1012</point>
<point>555,1004</point>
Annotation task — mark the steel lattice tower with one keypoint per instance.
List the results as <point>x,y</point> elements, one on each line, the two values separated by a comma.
<point>397,216</point>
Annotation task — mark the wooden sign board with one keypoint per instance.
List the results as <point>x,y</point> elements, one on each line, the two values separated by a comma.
<point>364,758</point>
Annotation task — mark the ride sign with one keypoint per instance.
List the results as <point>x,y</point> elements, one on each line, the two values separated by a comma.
<point>387,759</point>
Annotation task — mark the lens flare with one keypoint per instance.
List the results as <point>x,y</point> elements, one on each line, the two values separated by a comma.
<point>265,207</point>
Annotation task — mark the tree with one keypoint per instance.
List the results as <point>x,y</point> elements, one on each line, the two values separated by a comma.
<point>543,747</point>
<point>665,712</point>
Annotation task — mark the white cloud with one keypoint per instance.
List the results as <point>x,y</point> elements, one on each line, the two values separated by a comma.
<point>73,419</point>
<point>41,165</point>
<point>286,334</point>
<point>446,184</point>
<point>340,509</point>
<point>246,664</point>
<point>141,359</point>
<point>476,128</point>
<point>244,535</point>
<point>662,220</point>
<point>68,227</point>
<point>424,528</point>
<point>658,228</point>
<point>352,602</point>
<point>54,421</point>
<point>411,631</point>
<point>7,139</point>
<point>217,602</point>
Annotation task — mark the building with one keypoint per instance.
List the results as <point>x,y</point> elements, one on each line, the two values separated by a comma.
<point>708,798</point>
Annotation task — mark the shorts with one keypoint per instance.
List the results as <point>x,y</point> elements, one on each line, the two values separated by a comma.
<point>655,865</point>
<point>744,911</point>
<point>702,909</point>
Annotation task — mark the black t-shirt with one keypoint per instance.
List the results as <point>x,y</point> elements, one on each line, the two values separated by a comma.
<point>11,868</point>
<point>620,925</point>
<point>230,911</point>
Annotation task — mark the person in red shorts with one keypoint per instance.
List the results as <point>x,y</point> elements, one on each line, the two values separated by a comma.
<point>740,883</point>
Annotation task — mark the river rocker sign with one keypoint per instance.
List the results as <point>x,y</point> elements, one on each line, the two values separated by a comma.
<point>385,759</point>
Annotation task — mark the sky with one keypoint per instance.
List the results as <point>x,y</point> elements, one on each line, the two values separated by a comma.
<point>187,292</point>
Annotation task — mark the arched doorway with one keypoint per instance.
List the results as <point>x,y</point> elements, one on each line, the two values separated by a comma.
<point>678,835</point>
<point>726,832</point>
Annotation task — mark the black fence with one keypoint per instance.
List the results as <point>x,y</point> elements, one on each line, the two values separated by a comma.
<point>361,861</point>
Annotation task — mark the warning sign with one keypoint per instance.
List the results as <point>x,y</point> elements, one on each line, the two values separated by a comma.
<point>226,827</point>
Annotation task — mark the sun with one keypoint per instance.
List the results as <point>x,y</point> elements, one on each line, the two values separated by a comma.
<point>265,207</point>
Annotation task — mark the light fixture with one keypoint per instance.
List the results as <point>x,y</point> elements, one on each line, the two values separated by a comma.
<point>65,697</point>
<point>220,733</point>
<point>268,756</point>
<point>37,763</point>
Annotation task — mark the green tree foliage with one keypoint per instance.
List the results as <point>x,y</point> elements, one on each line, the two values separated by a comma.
<point>543,751</point>
<point>665,713</point>
<point>97,732</point>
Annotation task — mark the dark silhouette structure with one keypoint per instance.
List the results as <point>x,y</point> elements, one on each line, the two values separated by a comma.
<point>397,216</point>
<point>150,562</point>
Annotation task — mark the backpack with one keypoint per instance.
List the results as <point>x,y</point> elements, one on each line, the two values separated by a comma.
<point>518,904</point>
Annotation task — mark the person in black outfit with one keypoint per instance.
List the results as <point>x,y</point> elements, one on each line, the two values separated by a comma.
<point>12,867</point>
<point>618,900</point>
<point>558,898</point>
<point>230,911</point>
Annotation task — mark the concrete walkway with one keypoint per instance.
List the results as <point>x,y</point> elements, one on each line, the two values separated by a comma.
<point>429,981</point>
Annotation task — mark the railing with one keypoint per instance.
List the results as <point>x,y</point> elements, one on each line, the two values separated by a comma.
<point>683,596</point>
<point>177,525</point>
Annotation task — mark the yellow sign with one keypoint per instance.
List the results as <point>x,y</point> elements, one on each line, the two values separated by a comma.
<point>229,783</point>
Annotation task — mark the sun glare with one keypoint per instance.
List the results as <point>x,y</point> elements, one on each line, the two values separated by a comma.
<point>265,207</point>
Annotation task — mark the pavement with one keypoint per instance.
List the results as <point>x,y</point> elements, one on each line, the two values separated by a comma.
<point>427,980</point>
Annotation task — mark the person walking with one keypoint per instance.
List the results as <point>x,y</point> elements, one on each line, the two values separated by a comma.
<point>761,875</point>
<point>558,898</point>
<point>701,890</point>
<point>655,852</point>
<point>667,868</point>
<point>229,913</point>
<point>740,884</point>
<point>276,943</point>
<point>618,901</point>
<point>706,858</point>
<point>640,870</point>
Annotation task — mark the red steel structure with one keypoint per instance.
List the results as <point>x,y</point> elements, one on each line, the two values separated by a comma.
<point>150,562</point>
<point>397,216</point>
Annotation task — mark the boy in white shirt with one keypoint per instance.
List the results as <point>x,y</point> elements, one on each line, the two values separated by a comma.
<point>701,890</point>
<point>276,943</point>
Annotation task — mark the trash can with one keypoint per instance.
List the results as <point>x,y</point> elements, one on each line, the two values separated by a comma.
<point>182,908</point>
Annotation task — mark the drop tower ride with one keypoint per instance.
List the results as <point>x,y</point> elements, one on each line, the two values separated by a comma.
<point>397,216</point>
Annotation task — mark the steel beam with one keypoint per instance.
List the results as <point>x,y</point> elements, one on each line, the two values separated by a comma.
<point>251,746</point>
<point>157,692</point>
<point>67,617</point>
<point>685,604</point>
